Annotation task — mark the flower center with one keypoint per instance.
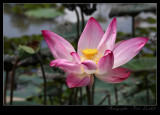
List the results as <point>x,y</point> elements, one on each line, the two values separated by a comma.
<point>89,53</point>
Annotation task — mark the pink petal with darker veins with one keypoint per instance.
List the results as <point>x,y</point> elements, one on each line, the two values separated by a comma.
<point>91,36</point>
<point>59,47</point>
<point>54,62</point>
<point>105,63</point>
<point>76,57</point>
<point>108,40</point>
<point>116,75</point>
<point>68,67</point>
<point>127,49</point>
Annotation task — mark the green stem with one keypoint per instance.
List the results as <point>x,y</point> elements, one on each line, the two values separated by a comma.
<point>103,100</point>
<point>75,96</point>
<point>12,80</point>
<point>109,99</point>
<point>60,98</point>
<point>71,96</point>
<point>133,32</point>
<point>5,87</point>
<point>81,96</point>
<point>76,41</point>
<point>147,89</point>
<point>116,94</point>
<point>50,99</point>
<point>82,20</point>
<point>93,88</point>
<point>44,80</point>
<point>89,99</point>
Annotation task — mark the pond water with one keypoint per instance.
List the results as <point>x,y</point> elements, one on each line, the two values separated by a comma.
<point>17,26</point>
<point>14,26</point>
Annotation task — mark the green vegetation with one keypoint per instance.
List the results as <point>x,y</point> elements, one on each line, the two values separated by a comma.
<point>43,13</point>
<point>29,82</point>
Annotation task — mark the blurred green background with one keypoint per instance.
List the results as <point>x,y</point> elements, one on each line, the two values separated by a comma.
<point>22,25</point>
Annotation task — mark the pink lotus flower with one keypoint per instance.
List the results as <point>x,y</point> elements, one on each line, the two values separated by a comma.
<point>97,54</point>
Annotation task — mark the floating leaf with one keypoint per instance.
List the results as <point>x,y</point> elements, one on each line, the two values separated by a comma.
<point>27,91</point>
<point>43,13</point>
<point>142,64</point>
<point>29,79</point>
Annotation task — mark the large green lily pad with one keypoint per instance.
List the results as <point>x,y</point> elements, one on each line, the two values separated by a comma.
<point>43,13</point>
<point>142,64</point>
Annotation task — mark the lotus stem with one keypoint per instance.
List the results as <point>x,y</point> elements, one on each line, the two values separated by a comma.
<point>60,99</point>
<point>109,101</point>
<point>147,90</point>
<point>82,21</point>
<point>93,88</point>
<point>50,99</point>
<point>81,96</point>
<point>71,96</point>
<point>89,99</point>
<point>116,94</point>
<point>12,80</point>
<point>133,32</point>
<point>44,80</point>
<point>77,27</point>
<point>5,87</point>
<point>75,96</point>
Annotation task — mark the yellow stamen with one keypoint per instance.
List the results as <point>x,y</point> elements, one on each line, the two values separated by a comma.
<point>89,53</point>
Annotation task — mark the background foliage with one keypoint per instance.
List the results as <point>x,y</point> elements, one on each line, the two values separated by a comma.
<point>138,89</point>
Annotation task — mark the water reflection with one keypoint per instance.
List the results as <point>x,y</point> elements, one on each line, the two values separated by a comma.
<point>17,25</point>
<point>20,22</point>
